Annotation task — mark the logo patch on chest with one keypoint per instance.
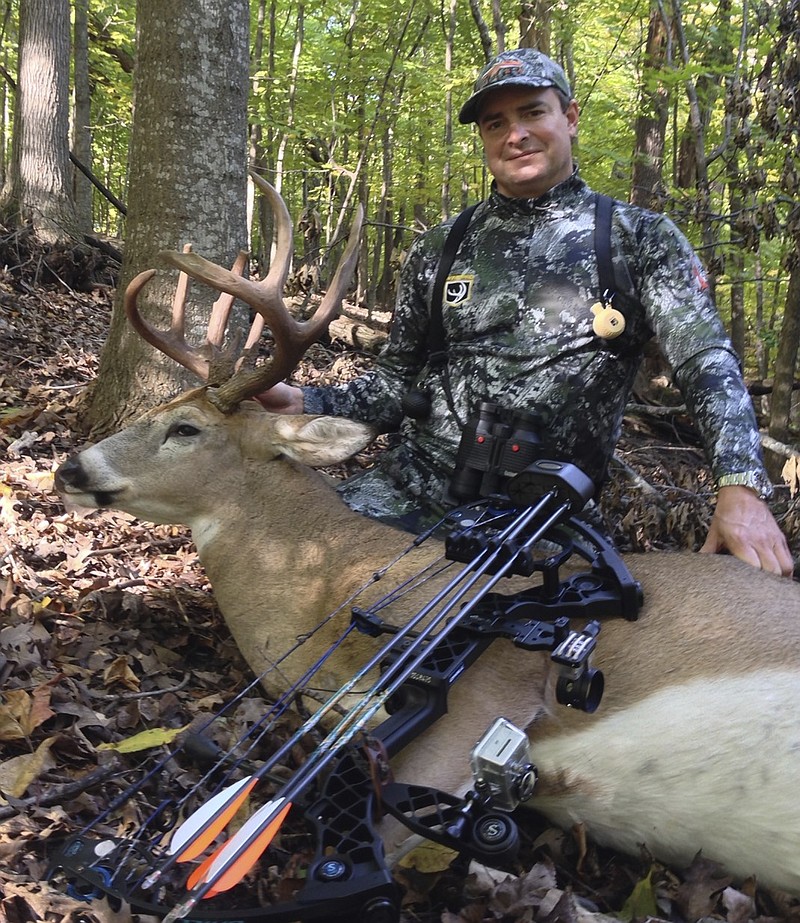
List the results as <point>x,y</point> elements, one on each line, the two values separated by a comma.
<point>457,290</point>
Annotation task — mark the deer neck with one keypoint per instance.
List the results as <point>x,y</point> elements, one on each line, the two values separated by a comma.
<point>277,540</point>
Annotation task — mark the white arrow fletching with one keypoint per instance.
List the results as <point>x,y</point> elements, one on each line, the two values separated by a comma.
<point>252,825</point>
<point>204,814</point>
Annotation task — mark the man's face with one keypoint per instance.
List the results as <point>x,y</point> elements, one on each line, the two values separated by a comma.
<point>527,139</point>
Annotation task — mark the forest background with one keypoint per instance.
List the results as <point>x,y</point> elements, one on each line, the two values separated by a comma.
<point>687,107</point>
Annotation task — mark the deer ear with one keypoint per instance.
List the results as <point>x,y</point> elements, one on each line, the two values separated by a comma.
<point>318,441</point>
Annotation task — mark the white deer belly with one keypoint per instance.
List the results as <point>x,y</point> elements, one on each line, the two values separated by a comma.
<point>713,765</point>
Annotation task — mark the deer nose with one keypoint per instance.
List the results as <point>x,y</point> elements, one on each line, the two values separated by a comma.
<point>70,474</point>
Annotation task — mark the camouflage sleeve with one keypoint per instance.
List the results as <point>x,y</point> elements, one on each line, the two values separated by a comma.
<point>681,312</point>
<point>376,396</point>
<point>721,407</point>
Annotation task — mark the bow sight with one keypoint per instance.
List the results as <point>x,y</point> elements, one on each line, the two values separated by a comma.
<point>345,782</point>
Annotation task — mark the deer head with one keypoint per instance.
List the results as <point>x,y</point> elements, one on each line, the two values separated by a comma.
<point>204,429</point>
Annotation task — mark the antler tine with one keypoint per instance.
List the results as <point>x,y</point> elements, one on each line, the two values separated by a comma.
<point>332,300</point>
<point>170,342</point>
<point>221,309</point>
<point>173,343</point>
<point>292,338</point>
<point>231,285</point>
<point>281,262</point>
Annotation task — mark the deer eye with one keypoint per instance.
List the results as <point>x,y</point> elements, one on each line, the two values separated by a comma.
<point>182,430</point>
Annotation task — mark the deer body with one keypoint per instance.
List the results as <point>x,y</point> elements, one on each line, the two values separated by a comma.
<point>696,744</point>
<point>697,741</point>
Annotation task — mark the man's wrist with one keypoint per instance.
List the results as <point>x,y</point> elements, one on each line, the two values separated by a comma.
<point>757,481</point>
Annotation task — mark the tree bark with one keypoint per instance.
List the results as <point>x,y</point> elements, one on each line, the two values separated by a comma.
<point>187,184</point>
<point>696,135</point>
<point>81,121</point>
<point>298,47</point>
<point>735,268</point>
<point>534,25</point>
<point>647,181</point>
<point>448,109</point>
<point>483,30</point>
<point>258,217</point>
<point>499,26</point>
<point>780,74</point>
<point>38,184</point>
<point>786,363</point>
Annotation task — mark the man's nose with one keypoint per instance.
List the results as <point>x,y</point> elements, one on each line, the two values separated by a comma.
<point>517,131</point>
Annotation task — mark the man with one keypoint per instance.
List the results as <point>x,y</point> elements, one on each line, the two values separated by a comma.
<point>524,327</point>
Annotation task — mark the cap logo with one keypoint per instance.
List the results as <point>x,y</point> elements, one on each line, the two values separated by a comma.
<point>513,67</point>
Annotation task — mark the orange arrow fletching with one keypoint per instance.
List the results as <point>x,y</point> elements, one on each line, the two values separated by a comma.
<point>209,820</point>
<point>219,874</point>
<point>198,875</point>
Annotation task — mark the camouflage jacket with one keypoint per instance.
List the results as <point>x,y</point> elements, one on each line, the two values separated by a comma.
<point>518,321</point>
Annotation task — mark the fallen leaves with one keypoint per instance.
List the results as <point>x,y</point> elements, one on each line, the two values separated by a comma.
<point>119,671</point>
<point>21,713</point>
<point>145,740</point>
<point>19,772</point>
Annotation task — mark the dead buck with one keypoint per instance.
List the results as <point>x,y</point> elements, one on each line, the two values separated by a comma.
<point>696,745</point>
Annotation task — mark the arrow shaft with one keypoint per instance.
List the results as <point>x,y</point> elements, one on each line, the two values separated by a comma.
<point>245,847</point>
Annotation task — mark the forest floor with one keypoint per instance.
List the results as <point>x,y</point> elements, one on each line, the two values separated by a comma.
<point>108,629</point>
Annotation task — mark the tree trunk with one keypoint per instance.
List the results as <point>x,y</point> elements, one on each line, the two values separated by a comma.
<point>696,134</point>
<point>534,25</point>
<point>448,110</point>
<point>259,220</point>
<point>499,26</point>
<point>785,365</point>
<point>298,47</point>
<point>483,30</point>
<point>381,251</point>
<point>647,181</point>
<point>780,72</point>
<point>187,183</point>
<point>81,121</point>
<point>385,235</point>
<point>735,268</point>
<point>38,185</point>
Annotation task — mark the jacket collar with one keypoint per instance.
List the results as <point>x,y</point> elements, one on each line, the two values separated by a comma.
<point>562,197</point>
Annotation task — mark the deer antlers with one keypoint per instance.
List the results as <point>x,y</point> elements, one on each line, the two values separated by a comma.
<point>211,361</point>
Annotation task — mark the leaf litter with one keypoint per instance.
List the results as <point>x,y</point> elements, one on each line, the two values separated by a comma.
<point>111,647</point>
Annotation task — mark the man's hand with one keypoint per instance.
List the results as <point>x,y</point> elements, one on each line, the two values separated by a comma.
<point>282,398</point>
<point>743,525</point>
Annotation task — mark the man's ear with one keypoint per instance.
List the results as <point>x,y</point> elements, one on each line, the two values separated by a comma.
<point>572,113</point>
<point>319,441</point>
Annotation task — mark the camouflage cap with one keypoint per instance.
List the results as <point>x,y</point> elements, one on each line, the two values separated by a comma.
<point>520,67</point>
